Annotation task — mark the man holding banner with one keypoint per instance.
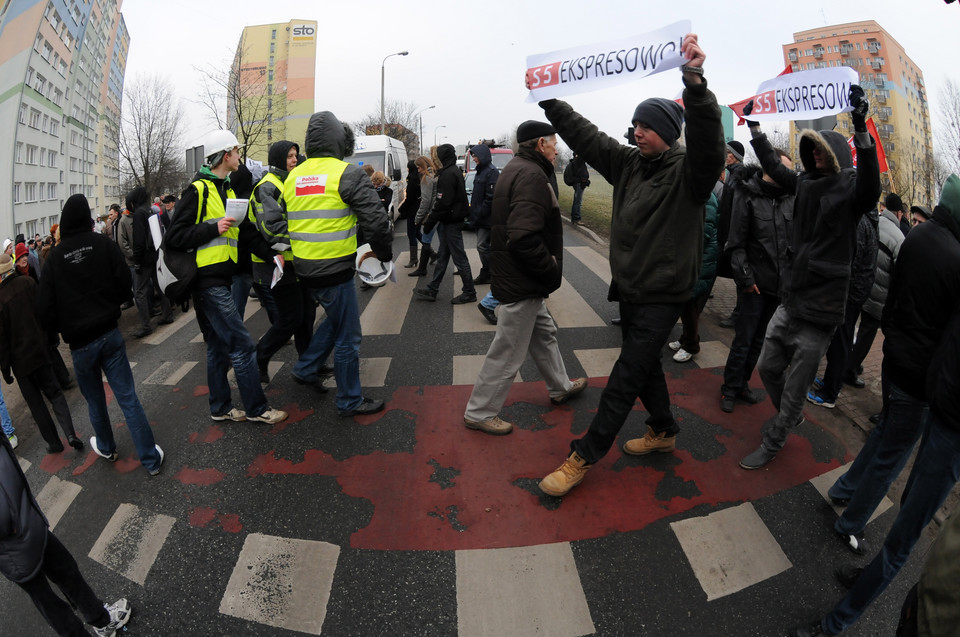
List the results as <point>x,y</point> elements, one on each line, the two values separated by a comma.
<point>831,196</point>
<point>659,192</point>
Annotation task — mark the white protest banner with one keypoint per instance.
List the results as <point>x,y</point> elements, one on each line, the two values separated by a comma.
<point>804,95</point>
<point>596,66</point>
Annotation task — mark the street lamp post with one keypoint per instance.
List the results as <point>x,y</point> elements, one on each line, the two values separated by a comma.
<point>383,127</point>
<point>435,134</point>
<point>421,125</point>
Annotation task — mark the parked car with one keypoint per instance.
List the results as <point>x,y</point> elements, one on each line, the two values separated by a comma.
<point>387,155</point>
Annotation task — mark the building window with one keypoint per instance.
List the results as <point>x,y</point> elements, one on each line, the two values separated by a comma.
<point>47,51</point>
<point>52,158</point>
<point>272,47</point>
<point>73,164</point>
<point>273,34</point>
<point>42,157</point>
<point>23,114</point>
<point>41,191</point>
<point>54,127</point>
<point>269,134</point>
<point>269,103</point>
<point>51,191</point>
<point>38,43</point>
<point>16,193</point>
<point>34,118</point>
<point>271,60</point>
<point>18,157</point>
<point>270,75</point>
<point>31,155</point>
<point>62,68</point>
<point>29,192</point>
<point>46,124</point>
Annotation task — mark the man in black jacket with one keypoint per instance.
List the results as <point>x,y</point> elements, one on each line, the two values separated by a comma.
<point>659,194</point>
<point>481,205</point>
<point>449,211</point>
<point>831,196</point>
<point>577,177</point>
<point>527,265</point>
<point>32,557</point>
<point>85,279</point>
<point>145,265</point>
<point>761,227</point>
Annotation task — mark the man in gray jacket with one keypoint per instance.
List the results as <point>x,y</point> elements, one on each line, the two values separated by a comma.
<point>32,557</point>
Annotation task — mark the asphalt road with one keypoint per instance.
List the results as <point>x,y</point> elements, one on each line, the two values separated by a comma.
<point>406,523</point>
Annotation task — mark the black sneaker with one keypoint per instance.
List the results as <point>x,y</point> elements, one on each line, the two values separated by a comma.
<point>758,459</point>
<point>463,298</point>
<point>726,404</point>
<point>840,502</point>
<point>488,314</point>
<point>855,542</point>
<point>854,381</point>
<point>812,629</point>
<point>848,575</point>
<point>482,279</point>
<point>426,294</point>
<point>875,419</point>
<point>143,331</point>
<point>368,406</point>
<point>315,384</point>
<point>748,396</point>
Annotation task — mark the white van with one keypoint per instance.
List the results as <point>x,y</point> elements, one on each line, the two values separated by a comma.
<point>387,155</point>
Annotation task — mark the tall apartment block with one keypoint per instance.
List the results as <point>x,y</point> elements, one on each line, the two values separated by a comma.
<point>273,73</point>
<point>897,94</point>
<point>61,85</point>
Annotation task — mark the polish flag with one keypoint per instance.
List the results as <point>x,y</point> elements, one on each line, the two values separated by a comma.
<point>311,185</point>
<point>881,155</point>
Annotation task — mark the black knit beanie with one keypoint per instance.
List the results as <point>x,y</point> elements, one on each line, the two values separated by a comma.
<point>664,116</point>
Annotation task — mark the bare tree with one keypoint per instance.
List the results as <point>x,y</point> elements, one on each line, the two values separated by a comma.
<point>150,136</point>
<point>246,99</point>
<point>912,173</point>
<point>401,123</point>
<point>948,137</point>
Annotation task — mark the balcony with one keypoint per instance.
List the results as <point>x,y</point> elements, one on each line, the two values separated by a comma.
<point>880,83</point>
<point>818,53</point>
<point>873,47</point>
<point>846,49</point>
<point>890,147</point>
<point>793,57</point>
<point>876,65</point>
<point>884,114</point>
<point>881,97</point>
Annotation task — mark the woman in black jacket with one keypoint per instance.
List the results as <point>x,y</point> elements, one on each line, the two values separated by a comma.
<point>408,210</point>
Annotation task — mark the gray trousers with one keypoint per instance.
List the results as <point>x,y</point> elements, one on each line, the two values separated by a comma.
<point>788,363</point>
<point>524,326</point>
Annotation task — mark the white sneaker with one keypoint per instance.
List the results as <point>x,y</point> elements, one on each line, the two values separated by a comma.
<point>236,415</point>
<point>675,345</point>
<point>93,445</point>
<point>270,416</point>
<point>682,356</point>
<point>119,616</point>
<point>13,440</point>
<point>156,471</point>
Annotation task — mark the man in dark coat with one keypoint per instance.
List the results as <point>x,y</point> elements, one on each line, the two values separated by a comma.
<point>831,196</point>
<point>893,203</point>
<point>32,557</point>
<point>527,265</point>
<point>660,189</point>
<point>23,349</point>
<point>481,205</point>
<point>577,177</point>
<point>449,212</point>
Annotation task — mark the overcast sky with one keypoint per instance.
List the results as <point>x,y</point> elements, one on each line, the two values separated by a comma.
<point>468,58</point>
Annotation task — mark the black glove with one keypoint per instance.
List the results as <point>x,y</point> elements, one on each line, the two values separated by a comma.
<point>7,376</point>
<point>860,107</point>
<point>428,225</point>
<point>746,111</point>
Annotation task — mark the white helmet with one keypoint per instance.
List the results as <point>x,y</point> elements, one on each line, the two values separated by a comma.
<point>219,141</point>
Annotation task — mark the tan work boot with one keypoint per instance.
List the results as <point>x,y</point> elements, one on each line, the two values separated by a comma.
<point>651,442</point>
<point>495,426</point>
<point>579,384</point>
<point>567,476</point>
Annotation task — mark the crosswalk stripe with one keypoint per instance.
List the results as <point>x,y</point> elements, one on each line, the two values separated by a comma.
<point>55,498</point>
<point>569,309</point>
<point>467,368</point>
<point>730,550</point>
<point>170,373</point>
<point>387,309</point>
<point>131,541</point>
<point>597,363</point>
<point>163,332</point>
<point>595,262</point>
<point>24,463</point>
<point>282,582</point>
<point>823,482</point>
<point>524,591</point>
<point>272,368</point>
<point>711,354</point>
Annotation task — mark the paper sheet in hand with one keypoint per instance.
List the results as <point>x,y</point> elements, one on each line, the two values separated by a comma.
<point>237,208</point>
<point>277,271</point>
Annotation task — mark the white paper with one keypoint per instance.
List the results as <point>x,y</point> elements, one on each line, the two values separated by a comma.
<point>595,66</point>
<point>277,271</point>
<point>237,208</point>
<point>804,95</point>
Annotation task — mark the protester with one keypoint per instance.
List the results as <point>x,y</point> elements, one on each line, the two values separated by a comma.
<point>577,176</point>
<point>660,189</point>
<point>526,261</point>
<point>735,167</point>
<point>481,205</point>
<point>427,170</point>
<point>408,211</point>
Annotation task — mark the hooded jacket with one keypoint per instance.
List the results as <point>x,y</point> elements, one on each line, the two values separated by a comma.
<point>450,205</point>
<point>411,199</point>
<point>481,199</point>
<point>526,237</point>
<point>23,527</point>
<point>863,268</point>
<point>23,345</point>
<point>656,226</point>
<point>708,265</point>
<point>185,234</point>
<point>889,238</point>
<point>828,206</point>
<point>328,137</point>
<point>761,225</point>
<point>85,280</point>
<point>141,245</point>
<point>923,298</point>
<point>268,217</point>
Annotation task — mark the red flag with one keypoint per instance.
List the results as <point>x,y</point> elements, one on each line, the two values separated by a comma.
<point>881,155</point>
<point>737,107</point>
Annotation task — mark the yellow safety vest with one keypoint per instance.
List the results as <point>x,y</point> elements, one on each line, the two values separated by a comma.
<point>321,225</point>
<point>256,206</point>
<point>210,209</point>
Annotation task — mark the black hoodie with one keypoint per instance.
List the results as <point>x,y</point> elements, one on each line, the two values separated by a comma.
<point>268,215</point>
<point>85,279</point>
<point>451,197</point>
<point>481,199</point>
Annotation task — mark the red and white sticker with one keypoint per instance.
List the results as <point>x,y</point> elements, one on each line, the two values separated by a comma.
<point>311,185</point>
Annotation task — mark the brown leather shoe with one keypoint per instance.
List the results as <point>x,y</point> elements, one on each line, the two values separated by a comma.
<point>567,476</point>
<point>495,426</point>
<point>579,384</point>
<point>649,443</point>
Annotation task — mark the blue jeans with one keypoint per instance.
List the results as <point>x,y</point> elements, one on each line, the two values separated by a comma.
<point>934,475</point>
<point>228,341</point>
<point>880,461</point>
<point>108,354</point>
<point>5,417</point>
<point>339,333</point>
<point>489,301</point>
<point>240,290</point>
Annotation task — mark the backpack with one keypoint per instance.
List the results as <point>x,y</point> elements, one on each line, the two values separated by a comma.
<point>568,177</point>
<point>176,269</point>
